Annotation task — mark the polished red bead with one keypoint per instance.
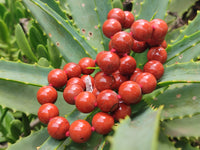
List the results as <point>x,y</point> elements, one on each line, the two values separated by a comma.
<point>122,42</point>
<point>154,67</point>
<point>80,131</point>
<point>130,92</point>
<point>76,80</point>
<point>70,92</point>
<point>147,82</point>
<point>139,46</point>
<point>118,14</point>
<point>57,78</point>
<point>102,122</point>
<point>85,102</point>
<point>107,101</point>
<point>141,30</point>
<point>135,74</point>
<point>47,111</point>
<point>86,62</point>
<point>57,127</point>
<point>47,94</point>
<point>122,111</point>
<point>157,53</point>
<point>110,27</point>
<point>72,70</point>
<point>127,65</point>
<point>129,19</point>
<point>109,62</point>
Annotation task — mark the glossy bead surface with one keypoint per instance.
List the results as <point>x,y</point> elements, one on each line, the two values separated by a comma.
<point>154,67</point>
<point>47,94</point>
<point>76,80</point>
<point>157,53</point>
<point>72,70</point>
<point>110,27</point>
<point>160,29</point>
<point>98,56</point>
<point>80,131</point>
<point>47,111</point>
<point>147,81</point>
<point>57,78</point>
<point>86,78</point>
<point>86,62</point>
<point>141,30</point>
<point>135,74</point>
<point>129,19</point>
<point>118,79</point>
<point>122,111</point>
<point>127,65</point>
<point>103,81</point>
<point>122,42</point>
<point>85,102</point>
<point>130,92</point>
<point>139,46</point>
<point>118,14</point>
<point>102,122</point>
<point>107,101</point>
<point>70,92</point>
<point>57,127</point>
<point>109,62</point>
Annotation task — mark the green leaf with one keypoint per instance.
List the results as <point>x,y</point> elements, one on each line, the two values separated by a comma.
<point>43,62</point>
<point>117,4</point>
<point>23,43</point>
<point>190,29</point>
<point>164,142</point>
<point>16,128</point>
<point>35,37</point>
<point>179,100</point>
<point>31,142</point>
<point>24,73</point>
<point>42,51</point>
<point>141,133</point>
<point>102,9</point>
<point>181,73</point>
<point>3,9</point>
<point>149,8</point>
<point>141,58</point>
<point>72,46</point>
<point>136,6</point>
<point>88,23</point>
<point>185,127</point>
<point>189,54</point>
<point>179,47</point>
<point>54,55</point>
<point>22,97</point>
<point>4,33</point>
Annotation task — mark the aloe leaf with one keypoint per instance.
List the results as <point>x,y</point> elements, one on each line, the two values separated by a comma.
<point>54,55</point>
<point>32,142</point>
<point>88,23</point>
<point>117,4</point>
<point>17,95</point>
<point>189,54</point>
<point>72,46</point>
<point>181,73</point>
<point>23,43</point>
<point>141,59</point>
<point>191,28</point>
<point>24,73</point>
<point>185,127</point>
<point>145,126</point>
<point>3,9</point>
<point>35,37</point>
<point>136,5</point>
<point>16,128</point>
<point>4,33</point>
<point>164,142</point>
<point>102,9</point>
<point>150,8</point>
<point>43,62</point>
<point>42,51</point>
<point>179,100</point>
<point>55,6</point>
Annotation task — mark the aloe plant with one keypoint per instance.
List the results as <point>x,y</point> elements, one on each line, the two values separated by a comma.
<point>167,118</point>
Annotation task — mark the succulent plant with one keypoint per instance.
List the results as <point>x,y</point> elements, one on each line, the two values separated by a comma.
<point>167,118</point>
